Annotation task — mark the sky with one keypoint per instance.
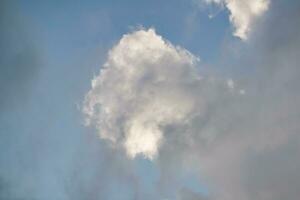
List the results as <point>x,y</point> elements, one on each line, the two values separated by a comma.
<point>143,100</point>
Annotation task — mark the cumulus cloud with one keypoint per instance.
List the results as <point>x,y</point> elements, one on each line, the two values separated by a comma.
<point>146,86</point>
<point>243,143</point>
<point>243,13</point>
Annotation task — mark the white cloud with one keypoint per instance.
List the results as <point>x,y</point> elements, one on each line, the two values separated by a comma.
<point>243,13</point>
<point>242,143</point>
<point>150,99</point>
<point>145,86</point>
<point>230,83</point>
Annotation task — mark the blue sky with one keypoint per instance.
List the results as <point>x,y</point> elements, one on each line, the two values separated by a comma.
<point>51,50</point>
<point>71,40</point>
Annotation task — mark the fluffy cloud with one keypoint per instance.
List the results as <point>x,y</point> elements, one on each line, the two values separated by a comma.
<point>146,86</point>
<point>150,99</point>
<point>243,13</point>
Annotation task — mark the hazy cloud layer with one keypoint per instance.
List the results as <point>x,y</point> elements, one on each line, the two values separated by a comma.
<point>19,58</point>
<point>258,156</point>
<point>243,13</point>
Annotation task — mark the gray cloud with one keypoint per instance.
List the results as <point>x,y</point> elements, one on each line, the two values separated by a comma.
<point>186,194</point>
<point>242,146</point>
<point>19,59</point>
<point>257,157</point>
<point>18,69</point>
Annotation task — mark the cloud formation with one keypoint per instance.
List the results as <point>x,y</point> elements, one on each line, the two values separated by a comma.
<point>146,86</point>
<point>243,13</point>
<point>255,158</point>
<point>242,143</point>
